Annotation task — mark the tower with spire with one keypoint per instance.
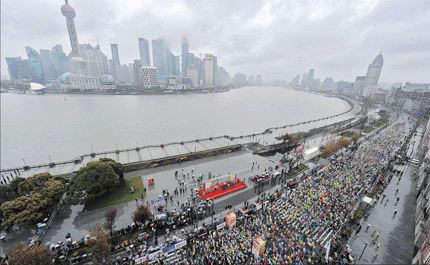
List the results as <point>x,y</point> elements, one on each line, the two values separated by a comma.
<point>70,14</point>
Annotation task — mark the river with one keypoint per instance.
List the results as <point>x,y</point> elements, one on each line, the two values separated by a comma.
<point>60,127</point>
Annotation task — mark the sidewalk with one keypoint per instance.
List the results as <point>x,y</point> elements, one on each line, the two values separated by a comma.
<point>396,231</point>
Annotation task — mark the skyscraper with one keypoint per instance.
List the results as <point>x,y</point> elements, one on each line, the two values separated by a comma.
<point>215,74</point>
<point>18,68</point>
<point>137,73</point>
<point>374,71</point>
<point>116,69</point>
<point>258,81</point>
<point>35,65</point>
<point>103,59</point>
<point>70,14</point>
<point>160,56</point>
<point>193,74</point>
<point>60,61</point>
<point>185,62</point>
<point>131,73</point>
<point>328,83</point>
<point>115,54</point>
<point>48,69</point>
<point>208,63</point>
<point>144,52</point>
<point>174,65</point>
<point>358,85</point>
<point>310,77</point>
<point>94,65</point>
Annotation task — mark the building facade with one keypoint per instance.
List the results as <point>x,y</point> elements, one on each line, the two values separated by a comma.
<point>358,85</point>
<point>374,71</point>
<point>149,76</point>
<point>35,65</point>
<point>145,60</point>
<point>160,56</point>
<point>193,74</point>
<point>208,63</point>
<point>18,69</point>
<point>137,73</point>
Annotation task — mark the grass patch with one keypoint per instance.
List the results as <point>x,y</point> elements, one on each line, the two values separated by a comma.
<point>296,170</point>
<point>366,129</point>
<point>119,196</point>
<point>347,134</point>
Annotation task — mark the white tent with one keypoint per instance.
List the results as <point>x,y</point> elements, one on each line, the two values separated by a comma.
<point>36,86</point>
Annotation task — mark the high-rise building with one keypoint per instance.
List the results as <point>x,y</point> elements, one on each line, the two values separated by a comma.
<point>93,62</point>
<point>103,59</point>
<point>216,81</point>
<point>304,80</point>
<point>374,71</point>
<point>310,77</point>
<point>251,80</point>
<point>258,81</point>
<point>115,54</point>
<point>187,59</point>
<point>295,82</point>
<point>35,65</point>
<point>116,69</point>
<point>193,74</point>
<point>327,83</point>
<point>185,50</point>
<point>145,60</point>
<point>18,68</point>
<point>131,73</point>
<point>48,69</point>
<point>137,73</point>
<point>199,63</point>
<point>174,65</point>
<point>358,87</point>
<point>223,77</point>
<point>208,63</point>
<point>160,56</point>
<point>126,72</point>
<point>60,61</point>
<point>149,76</point>
<point>70,14</point>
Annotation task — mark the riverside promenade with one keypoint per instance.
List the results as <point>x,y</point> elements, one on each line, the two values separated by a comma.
<point>152,156</point>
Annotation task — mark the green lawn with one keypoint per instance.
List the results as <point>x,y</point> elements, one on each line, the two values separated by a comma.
<point>119,196</point>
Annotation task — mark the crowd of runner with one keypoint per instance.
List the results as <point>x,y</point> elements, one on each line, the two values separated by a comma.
<point>294,225</point>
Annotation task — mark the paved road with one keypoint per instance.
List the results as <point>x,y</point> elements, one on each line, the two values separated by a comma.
<point>397,232</point>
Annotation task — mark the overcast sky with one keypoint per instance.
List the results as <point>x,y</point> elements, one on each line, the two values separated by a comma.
<point>277,39</point>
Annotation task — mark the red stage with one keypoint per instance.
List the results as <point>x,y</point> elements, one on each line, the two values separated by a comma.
<point>216,191</point>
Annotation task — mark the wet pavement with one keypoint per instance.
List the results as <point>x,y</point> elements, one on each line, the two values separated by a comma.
<point>396,231</point>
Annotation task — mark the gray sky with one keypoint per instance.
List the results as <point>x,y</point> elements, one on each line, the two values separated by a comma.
<point>275,38</point>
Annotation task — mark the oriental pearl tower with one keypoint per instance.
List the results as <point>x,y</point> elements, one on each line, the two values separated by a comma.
<point>77,62</point>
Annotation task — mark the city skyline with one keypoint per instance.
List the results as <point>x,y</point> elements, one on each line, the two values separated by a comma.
<point>255,45</point>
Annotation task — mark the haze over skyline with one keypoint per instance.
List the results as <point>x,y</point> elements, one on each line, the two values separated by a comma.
<point>277,39</point>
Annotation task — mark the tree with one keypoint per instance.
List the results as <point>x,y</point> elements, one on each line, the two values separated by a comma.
<point>94,181</point>
<point>22,255</point>
<point>288,140</point>
<point>142,214</point>
<point>99,244</point>
<point>38,196</point>
<point>110,220</point>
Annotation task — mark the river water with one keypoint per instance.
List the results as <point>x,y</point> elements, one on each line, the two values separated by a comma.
<point>61,127</point>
